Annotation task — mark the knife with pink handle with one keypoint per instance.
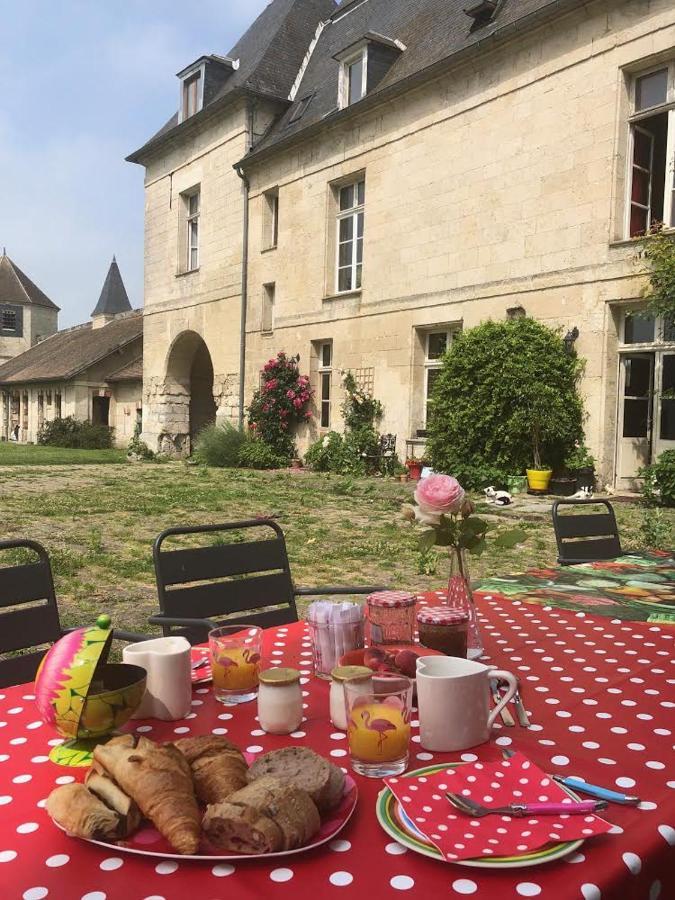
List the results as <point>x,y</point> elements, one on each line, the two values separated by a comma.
<point>471,808</point>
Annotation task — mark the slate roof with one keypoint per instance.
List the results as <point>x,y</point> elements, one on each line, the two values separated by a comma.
<point>67,353</point>
<point>133,371</point>
<point>113,299</point>
<point>270,54</point>
<point>17,288</point>
<point>434,32</point>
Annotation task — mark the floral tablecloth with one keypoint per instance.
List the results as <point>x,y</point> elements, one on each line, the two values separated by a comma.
<point>601,695</point>
<point>637,586</point>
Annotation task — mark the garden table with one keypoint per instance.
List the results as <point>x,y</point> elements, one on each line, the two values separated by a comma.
<point>636,586</point>
<point>600,694</point>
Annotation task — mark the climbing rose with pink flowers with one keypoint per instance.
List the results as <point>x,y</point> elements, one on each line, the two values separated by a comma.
<point>280,404</point>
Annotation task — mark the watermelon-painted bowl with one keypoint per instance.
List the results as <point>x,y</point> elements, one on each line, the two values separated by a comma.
<point>84,697</point>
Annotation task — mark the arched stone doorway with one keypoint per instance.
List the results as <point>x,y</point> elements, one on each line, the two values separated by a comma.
<point>189,401</point>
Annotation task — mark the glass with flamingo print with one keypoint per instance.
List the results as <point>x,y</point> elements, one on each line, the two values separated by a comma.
<point>235,662</point>
<point>378,725</point>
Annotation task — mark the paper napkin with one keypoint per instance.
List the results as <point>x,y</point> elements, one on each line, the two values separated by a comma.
<point>492,784</point>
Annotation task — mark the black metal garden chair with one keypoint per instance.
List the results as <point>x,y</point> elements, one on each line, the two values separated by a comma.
<point>241,582</point>
<point>29,614</point>
<point>588,536</point>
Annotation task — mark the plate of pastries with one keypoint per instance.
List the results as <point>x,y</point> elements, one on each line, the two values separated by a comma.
<point>203,798</point>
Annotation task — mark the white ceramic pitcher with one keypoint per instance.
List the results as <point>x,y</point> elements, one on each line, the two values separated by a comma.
<point>168,663</point>
<point>453,698</point>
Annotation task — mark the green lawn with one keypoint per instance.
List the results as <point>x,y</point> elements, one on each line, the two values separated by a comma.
<point>98,523</point>
<point>12,454</point>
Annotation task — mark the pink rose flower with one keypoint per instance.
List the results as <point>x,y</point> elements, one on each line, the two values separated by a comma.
<point>436,496</point>
<point>290,394</point>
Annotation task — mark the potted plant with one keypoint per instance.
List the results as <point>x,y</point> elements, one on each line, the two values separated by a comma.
<point>582,465</point>
<point>414,467</point>
<point>539,476</point>
<point>563,484</point>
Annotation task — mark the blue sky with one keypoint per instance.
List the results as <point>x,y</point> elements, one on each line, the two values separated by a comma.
<point>85,82</point>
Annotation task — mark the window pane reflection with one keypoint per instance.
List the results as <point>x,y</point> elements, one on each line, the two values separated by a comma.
<point>639,329</point>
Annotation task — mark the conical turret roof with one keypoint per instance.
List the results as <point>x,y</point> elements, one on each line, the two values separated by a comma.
<point>17,288</point>
<point>113,299</point>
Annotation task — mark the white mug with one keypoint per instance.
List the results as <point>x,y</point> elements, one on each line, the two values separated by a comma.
<point>168,662</point>
<point>453,698</point>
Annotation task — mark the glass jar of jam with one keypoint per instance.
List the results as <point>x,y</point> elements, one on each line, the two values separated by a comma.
<point>444,629</point>
<point>391,617</point>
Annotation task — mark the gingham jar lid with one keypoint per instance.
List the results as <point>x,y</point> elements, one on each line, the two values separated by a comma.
<point>441,615</point>
<point>391,599</point>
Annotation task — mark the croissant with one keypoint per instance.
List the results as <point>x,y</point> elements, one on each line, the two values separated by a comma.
<point>158,778</point>
<point>82,814</point>
<point>218,766</point>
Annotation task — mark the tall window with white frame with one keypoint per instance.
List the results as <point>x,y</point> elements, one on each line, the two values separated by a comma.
<point>354,78</point>
<point>651,188</point>
<point>436,346</point>
<point>350,225</point>
<point>192,210</point>
<point>267,324</point>
<point>325,382</point>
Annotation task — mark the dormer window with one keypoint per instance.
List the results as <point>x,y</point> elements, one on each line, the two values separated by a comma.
<point>201,81</point>
<point>354,78</point>
<point>191,95</point>
<point>363,65</point>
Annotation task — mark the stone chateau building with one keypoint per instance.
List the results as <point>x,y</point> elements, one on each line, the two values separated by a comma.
<point>27,315</point>
<point>357,183</point>
<point>92,371</point>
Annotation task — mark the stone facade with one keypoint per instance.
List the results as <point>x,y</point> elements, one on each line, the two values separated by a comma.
<point>92,372</point>
<point>189,311</point>
<point>499,185</point>
<point>29,405</point>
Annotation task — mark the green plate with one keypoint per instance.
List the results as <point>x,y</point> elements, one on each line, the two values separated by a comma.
<point>394,822</point>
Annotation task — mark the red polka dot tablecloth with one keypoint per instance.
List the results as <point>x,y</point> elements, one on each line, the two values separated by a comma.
<point>601,698</point>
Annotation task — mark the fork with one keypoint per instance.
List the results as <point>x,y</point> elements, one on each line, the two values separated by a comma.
<point>471,808</point>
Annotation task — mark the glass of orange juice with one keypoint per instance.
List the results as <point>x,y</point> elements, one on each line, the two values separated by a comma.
<point>378,725</point>
<point>235,662</point>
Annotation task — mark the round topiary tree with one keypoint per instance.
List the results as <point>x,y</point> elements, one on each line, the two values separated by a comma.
<point>506,394</point>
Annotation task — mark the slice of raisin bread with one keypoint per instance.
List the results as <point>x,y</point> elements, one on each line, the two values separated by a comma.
<point>304,769</point>
<point>241,829</point>
<point>244,820</point>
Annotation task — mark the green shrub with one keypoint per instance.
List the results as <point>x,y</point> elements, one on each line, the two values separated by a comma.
<point>656,532</point>
<point>326,454</point>
<point>255,454</point>
<point>357,451</point>
<point>506,394</point>
<point>359,409</point>
<point>138,449</point>
<point>71,433</point>
<point>219,445</point>
<point>336,453</point>
<point>579,458</point>
<point>659,480</point>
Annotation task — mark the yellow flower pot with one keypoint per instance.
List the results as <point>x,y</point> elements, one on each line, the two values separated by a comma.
<point>538,479</point>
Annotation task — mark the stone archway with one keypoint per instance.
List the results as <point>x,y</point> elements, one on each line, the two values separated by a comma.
<point>202,405</point>
<point>188,401</point>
